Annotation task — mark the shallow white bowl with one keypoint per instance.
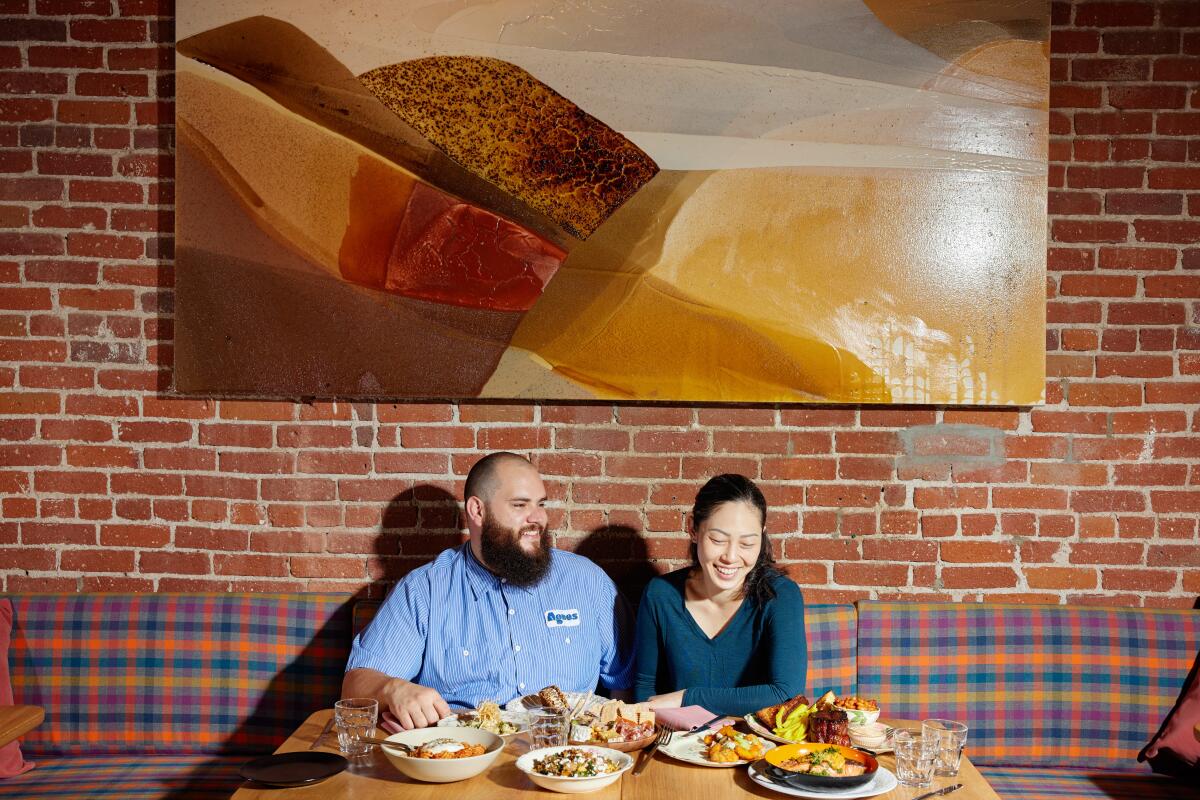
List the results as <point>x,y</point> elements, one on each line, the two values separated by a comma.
<point>443,770</point>
<point>575,785</point>
<point>860,717</point>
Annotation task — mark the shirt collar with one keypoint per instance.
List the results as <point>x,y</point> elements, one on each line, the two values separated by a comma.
<point>484,580</point>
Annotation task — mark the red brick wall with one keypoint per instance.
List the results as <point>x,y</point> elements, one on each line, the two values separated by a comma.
<point>106,483</point>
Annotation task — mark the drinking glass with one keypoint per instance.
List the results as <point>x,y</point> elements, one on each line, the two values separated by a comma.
<point>355,719</point>
<point>951,737</point>
<point>547,727</point>
<point>915,759</point>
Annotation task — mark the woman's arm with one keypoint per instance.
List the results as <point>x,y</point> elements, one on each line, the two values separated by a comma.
<point>646,644</point>
<point>786,648</point>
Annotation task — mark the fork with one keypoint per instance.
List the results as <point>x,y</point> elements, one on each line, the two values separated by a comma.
<point>663,737</point>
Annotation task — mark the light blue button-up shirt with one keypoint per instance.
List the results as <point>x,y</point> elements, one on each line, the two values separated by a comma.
<point>454,626</point>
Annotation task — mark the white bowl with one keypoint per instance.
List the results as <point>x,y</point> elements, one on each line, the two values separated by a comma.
<point>575,785</point>
<point>858,716</point>
<point>443,770</point>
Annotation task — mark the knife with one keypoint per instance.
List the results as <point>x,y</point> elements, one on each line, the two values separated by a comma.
<point>939,792</point>
<point>702,728</point>
<point>327,729</point>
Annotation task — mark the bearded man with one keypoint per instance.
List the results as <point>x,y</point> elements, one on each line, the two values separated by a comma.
<point>498,617</point>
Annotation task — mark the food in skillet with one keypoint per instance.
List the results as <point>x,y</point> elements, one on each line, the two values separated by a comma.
<point>728,745</point>
<point>828,762</point>
<point>447,748</point>
<point>574,762</point>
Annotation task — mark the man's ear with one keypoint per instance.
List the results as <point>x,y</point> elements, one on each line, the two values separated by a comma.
<point>475,510</point>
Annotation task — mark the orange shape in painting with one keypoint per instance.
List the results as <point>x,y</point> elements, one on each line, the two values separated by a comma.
<point>449,251</point>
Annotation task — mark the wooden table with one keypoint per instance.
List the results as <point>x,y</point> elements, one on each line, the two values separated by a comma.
<point>16,721</point>
<point>374,777</point>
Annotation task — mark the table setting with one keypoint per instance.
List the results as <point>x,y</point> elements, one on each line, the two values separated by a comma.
<point>530,750</point>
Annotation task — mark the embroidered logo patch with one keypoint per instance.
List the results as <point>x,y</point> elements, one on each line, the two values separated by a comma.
<point>557,618</point>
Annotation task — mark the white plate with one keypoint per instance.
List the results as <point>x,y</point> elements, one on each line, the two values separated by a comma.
<point>884,781</point>
<point>758,728</point>
<point>573,698</point>
<point>518,718</point>
<point>692,749</point>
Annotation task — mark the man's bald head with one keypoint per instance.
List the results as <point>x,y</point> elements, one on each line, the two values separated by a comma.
<point>483,478</point>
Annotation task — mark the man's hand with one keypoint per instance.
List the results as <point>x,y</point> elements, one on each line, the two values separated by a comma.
<point>413,705</point>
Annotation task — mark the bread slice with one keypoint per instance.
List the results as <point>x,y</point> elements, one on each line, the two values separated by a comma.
<point>500,122</point>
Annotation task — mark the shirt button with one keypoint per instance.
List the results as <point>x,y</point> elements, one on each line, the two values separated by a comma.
<point>516,648</point>
<point>568,640</point>
<point>520,686</point>
<point>466,653</point>
<point>511,612</point>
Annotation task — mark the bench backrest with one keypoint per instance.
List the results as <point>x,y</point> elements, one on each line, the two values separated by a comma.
<point>1037,685</point>
<point>193,673</point>
<point>832,632</point>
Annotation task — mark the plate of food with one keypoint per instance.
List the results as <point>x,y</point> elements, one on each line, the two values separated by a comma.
<point>725,747</point>
<point>574,770</point>
<point>490,718</point>
<point>549,697</point>
<point>614,724</point>
<point>795,720</point>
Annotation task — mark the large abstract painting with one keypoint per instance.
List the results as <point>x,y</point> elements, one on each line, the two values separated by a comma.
<point>683,200</point>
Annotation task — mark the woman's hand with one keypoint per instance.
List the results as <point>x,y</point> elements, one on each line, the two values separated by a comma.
<point>672,700</point>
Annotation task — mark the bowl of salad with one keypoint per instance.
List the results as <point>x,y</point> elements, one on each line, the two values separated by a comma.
<point>574,769</point>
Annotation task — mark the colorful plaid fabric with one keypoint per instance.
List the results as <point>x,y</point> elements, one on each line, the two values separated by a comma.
<point>832,632</point>
<point>1039,686</point>
<point>1059,784</point>
<point>172,674</point>
<point>193,777</point>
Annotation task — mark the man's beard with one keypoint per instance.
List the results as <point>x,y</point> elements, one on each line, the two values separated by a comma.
<point>504,556</point>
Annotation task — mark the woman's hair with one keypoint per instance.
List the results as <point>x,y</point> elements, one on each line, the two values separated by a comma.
<point>730,488</point>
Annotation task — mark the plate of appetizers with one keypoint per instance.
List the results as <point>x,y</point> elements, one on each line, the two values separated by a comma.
<point>825,721</point>
<point>490,718</point>
<point>611,723</point>
<point>724,747</point>
<point>882,782</point>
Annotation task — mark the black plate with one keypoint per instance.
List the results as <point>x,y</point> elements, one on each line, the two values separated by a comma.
<point>284,770</point>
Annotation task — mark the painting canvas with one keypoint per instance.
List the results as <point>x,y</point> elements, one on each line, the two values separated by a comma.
<point>826,201</point>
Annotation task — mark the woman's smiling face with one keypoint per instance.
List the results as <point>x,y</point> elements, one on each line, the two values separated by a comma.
<point>728,544</point>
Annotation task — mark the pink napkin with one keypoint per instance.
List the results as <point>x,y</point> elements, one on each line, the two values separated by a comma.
<point>389,722</point>
<point>688,718</point>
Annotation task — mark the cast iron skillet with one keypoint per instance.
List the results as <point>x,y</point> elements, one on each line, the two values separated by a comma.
<point>803,780</point>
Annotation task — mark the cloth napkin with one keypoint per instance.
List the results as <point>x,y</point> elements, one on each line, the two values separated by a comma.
<point>687,718</point>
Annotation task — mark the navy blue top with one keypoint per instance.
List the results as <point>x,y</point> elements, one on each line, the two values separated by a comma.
<point>758,660</point>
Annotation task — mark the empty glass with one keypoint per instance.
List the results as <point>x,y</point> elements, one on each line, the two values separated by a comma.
<point>547,727</point>
<point>355,718</point>
<point>915,757</point>
<point>950,737</point>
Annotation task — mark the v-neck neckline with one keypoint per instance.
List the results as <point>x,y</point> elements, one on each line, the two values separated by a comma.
<point>696,625</point>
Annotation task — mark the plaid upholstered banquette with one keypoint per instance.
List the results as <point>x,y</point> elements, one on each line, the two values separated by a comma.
<point>154,695</point>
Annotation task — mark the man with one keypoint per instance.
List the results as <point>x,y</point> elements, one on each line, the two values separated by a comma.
<point>499,617</point>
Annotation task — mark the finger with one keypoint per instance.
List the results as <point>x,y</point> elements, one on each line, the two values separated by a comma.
<point>418,717</point>
<point>441,707</point>
<point>406,720</point>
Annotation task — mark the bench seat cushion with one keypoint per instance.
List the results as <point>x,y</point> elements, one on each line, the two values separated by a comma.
<point>131,777</point>
<point>1017,783</point>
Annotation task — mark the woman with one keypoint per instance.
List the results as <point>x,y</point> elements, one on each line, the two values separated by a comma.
<point>726,633</point>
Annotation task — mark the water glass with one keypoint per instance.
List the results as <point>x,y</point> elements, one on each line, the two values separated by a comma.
<point>915,758</point>
<point>547,727</point>
<point>950,737</point>
<point>355,718</point>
